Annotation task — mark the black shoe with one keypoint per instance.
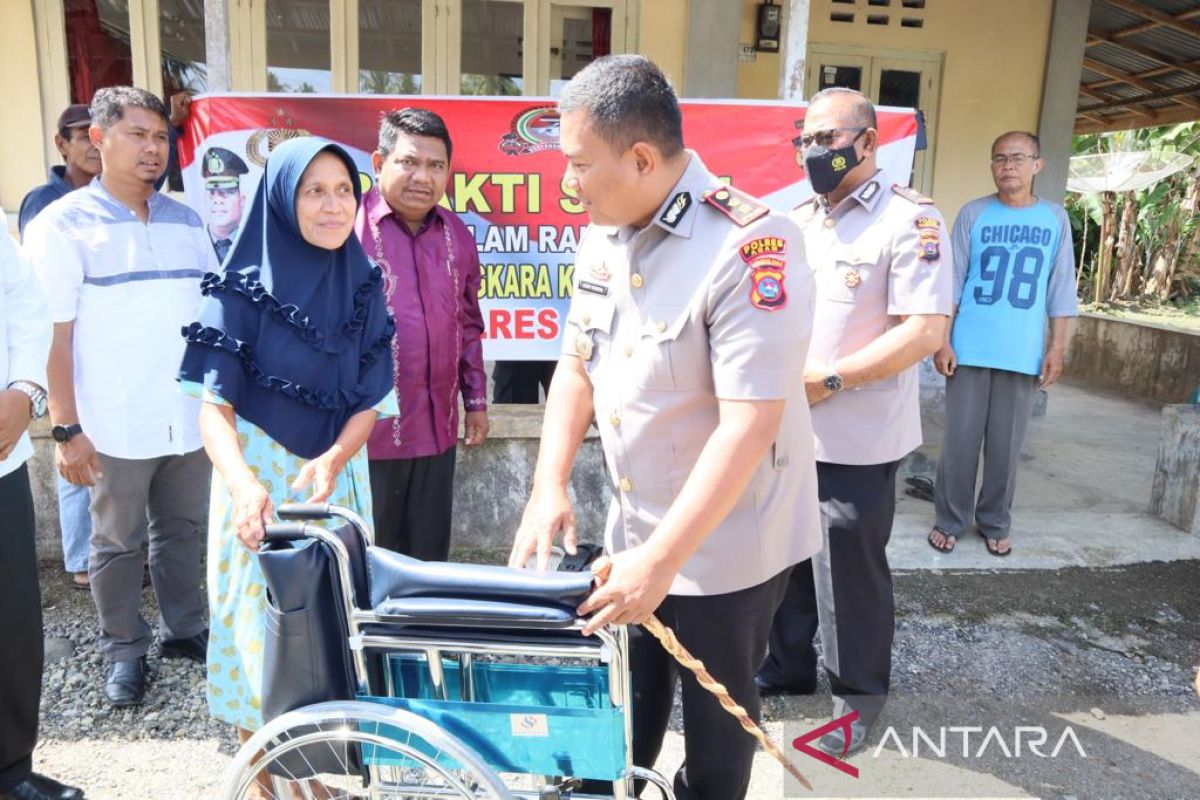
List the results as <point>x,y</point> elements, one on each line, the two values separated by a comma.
<point>768,688</point>
<point>39,787</point>
<point>126,682</point>
<point>193,647</point>
<point>834,742</point>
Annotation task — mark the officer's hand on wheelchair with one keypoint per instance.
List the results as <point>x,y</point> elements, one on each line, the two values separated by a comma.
<point>252,509</point>
<point>630,586</point>
<point>545,515</point>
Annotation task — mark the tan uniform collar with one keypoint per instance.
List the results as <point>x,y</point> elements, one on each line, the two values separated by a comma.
<point>866,195</point>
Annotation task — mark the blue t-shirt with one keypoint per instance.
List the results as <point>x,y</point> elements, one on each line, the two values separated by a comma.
<point>1014,267</point>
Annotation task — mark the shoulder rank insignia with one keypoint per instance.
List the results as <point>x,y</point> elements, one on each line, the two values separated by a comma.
<point>911,195</point>
<point>738,206</point>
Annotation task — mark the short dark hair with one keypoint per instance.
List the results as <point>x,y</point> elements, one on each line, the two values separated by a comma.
<point>629,100</point>
<point>863,109</point>
<point>109,104</point>
<point>414,122</point>
<point>1032,137</point>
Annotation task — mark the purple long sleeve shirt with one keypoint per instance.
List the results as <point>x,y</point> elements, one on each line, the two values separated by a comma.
<point>432,283</point>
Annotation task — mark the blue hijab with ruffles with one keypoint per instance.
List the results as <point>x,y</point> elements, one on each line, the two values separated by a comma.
<point>295,337</point>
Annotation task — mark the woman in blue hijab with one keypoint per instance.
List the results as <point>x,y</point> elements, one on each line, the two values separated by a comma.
<point>292,356</point>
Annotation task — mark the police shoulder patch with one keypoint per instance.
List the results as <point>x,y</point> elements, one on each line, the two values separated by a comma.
<point>737,205</point>
<point>911,195</point>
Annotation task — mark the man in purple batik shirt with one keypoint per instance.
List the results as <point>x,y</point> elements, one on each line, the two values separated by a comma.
<point>431,277</point>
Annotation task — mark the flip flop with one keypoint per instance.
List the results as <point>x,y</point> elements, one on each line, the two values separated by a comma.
<point>988,543</point>
<point>920,487</point>
<point>949,540</point>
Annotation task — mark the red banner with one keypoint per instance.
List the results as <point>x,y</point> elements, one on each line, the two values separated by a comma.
<point>506,180</point>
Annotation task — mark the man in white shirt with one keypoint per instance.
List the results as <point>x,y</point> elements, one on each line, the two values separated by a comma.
<point>122,265</point>
<point>24,343</point>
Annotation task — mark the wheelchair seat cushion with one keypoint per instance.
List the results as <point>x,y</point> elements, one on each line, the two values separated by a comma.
<point>394,576</point>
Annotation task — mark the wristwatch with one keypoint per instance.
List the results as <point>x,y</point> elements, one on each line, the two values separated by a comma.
<point>833,382</point>
<point>63,433</point>
<point>36,395</point>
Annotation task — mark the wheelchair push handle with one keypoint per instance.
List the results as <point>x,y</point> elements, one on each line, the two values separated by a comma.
<point>285,532</point>
<point>304,511</point>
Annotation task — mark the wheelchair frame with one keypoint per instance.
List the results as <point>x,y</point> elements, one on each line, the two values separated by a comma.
<point>609,646</point>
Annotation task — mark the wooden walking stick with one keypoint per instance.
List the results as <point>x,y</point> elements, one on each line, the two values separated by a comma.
<point>666,636</point>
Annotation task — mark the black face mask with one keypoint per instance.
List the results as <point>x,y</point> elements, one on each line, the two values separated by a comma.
<point>826,168</point>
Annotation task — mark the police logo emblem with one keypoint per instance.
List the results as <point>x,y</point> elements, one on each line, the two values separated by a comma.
<point>838,164</point>
<point>852,278</point>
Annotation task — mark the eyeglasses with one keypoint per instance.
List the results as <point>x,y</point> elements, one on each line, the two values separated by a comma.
<point>824,138</point>
<point>1016,159</point>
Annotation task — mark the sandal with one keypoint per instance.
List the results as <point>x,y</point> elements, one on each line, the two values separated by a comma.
<point>80,581</point>
<point>919,487</point>
<point>992,544</point>
<point>948,540</point>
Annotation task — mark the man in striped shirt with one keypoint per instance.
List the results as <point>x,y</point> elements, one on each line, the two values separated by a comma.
<point>122,265</point>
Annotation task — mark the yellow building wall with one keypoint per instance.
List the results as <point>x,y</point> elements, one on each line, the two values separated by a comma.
<point>757,79</point>
<point>23,164</point>
<point>662,36</point>
<point>992,74</point>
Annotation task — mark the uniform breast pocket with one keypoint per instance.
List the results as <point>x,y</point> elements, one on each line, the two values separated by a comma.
<point>590,325</point>
<point>848,281</point>
<point>667,356</point>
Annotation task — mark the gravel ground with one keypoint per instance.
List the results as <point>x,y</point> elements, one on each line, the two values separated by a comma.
<point>1112,653</point>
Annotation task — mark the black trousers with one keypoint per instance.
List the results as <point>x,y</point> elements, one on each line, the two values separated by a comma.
<point>519,381</point>
<point>20,630</point>
<point>411,500</point>
<point>728,632</point>
<point>848,588</point>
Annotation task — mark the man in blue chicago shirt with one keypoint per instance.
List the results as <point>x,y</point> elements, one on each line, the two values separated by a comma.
<point>1014,266</point>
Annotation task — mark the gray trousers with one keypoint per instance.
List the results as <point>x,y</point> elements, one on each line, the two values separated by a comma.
<point>172,492</point>
<point>988,408</point>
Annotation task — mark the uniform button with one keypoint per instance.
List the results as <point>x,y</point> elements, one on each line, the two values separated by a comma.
<point>587,319</point>
<point>626,485</point>
<point>782,462</point>
<point>829,223</point>
<point>662,326</point>
<point>637,281</point>
<point>628,351</point>
<point>615,421</point>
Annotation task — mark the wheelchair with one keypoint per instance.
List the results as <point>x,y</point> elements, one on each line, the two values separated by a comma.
<point>390,678</point>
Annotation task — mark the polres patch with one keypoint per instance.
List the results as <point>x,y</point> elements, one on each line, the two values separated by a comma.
<point>928,238</point>
<point>762,246</point>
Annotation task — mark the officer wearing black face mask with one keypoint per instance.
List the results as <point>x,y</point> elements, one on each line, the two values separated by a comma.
<point>883,299</point>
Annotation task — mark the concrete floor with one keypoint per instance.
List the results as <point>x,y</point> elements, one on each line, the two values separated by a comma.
<point>1082,492</point>
<point>1097,648</point>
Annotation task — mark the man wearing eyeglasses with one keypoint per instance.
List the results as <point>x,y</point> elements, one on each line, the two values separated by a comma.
<point>1014,266</point>
<point>883,298</point>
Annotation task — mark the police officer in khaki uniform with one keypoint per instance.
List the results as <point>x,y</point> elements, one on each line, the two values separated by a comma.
<point>685,342</point>
<point>223,170</point>
<point>883,282</point>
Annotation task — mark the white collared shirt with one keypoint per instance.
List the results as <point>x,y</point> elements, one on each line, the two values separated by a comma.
<point>130,288</point>
<point>25,332</point>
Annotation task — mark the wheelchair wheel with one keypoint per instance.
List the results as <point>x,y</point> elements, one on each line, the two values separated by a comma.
<point>353,751</point>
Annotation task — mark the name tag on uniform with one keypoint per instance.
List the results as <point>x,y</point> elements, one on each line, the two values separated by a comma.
<point>594,288</point>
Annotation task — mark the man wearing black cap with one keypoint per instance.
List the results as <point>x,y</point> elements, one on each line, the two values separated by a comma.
<point>223,171</point>
<point>82,163</point>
